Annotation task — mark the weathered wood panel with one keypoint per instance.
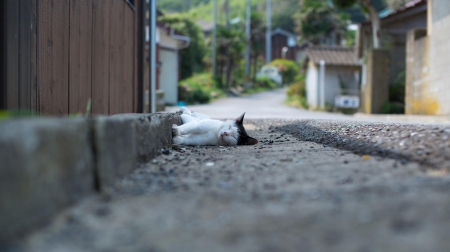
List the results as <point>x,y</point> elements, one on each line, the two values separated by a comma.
<point>53,58</point>
<point>34,61</point>
<point>139,56</point>
<point>116,57</point>
<point>25,41</point>
<point>100,56</point>
<point>80,59</point>
<point>128,60</point>
<point>12,52</point>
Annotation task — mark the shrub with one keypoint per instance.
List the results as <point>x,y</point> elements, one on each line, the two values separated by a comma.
<point>265,82</point>
<point>200,88</point>
<point>396,102</point>
<point>287,68</point>
<point>296,93</point>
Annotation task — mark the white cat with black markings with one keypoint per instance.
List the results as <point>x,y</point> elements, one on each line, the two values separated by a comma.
<point>199,129</point>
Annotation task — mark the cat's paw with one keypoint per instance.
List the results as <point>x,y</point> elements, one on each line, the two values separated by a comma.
<point>178,140</point>
<point>185,110</point>
<point>175,131</point>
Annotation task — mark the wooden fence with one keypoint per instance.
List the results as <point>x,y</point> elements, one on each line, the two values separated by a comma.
<point>79,50</point>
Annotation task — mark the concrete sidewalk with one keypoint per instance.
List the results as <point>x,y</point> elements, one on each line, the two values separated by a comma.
<point>302,188</point>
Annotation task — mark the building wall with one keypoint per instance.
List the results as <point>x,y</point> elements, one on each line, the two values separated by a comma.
<point>169,76</point>
<point>338,77</point>
<point>278,42</point>
<point>439,61</point>
<point>416,97</point>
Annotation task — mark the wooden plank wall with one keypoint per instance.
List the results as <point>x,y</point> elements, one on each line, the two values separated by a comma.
<point>86,49</point>
<point>80,55</point>
<point>15,75</point>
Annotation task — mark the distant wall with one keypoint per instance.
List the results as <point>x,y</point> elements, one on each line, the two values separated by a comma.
<point>376,89</point>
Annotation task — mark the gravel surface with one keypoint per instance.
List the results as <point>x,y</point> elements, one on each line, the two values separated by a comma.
<point>426,144</point>
<point>314,189</point>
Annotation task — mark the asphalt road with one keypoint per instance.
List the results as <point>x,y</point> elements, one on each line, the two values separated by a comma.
<point>309,185</point>
<point>259,106</point>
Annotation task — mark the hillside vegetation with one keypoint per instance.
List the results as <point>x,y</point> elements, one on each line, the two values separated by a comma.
<point>282,10</point>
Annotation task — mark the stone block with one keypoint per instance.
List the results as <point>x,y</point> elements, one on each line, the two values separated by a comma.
<point>114,147</point>
<point>45,165</point>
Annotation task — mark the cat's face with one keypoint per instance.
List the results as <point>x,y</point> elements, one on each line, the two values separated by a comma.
<point>228,133</point>
<point>244,138</point>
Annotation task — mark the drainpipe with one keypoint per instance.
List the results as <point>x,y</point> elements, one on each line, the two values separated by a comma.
<point>322,83</point>
<point>152,93</point>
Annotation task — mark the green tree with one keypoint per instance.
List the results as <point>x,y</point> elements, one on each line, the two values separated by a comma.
<point>230,47</point>
<point>318,21</point>
<point>258,34</point>
<point>192,56</point>
<point>373,15</point>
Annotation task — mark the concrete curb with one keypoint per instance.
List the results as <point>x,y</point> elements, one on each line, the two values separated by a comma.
<point>47,164</point>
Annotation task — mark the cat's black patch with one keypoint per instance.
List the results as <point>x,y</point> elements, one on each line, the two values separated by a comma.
<point>244,138</point>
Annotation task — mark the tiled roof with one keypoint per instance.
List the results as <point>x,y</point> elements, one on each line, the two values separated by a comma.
<point>332,55</point>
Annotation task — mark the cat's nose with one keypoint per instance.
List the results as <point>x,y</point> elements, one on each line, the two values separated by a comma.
<point>225,134</point>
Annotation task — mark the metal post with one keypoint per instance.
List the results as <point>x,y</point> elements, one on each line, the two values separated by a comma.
<point>152,93</point>
<point>269,32</point>
<point>322,83</point>
<point>247,48</point>
<point>214,35</point>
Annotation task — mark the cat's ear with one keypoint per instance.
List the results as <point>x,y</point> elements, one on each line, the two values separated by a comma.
<point>247,140</point>
<point>240,119</point>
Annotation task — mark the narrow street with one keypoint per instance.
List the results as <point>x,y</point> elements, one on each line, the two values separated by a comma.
<point>258,106</point>
<point>308,185</point>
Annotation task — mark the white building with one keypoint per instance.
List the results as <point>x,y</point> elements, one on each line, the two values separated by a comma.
<point>341,74</point>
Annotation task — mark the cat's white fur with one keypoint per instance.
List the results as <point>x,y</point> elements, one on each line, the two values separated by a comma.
<point>199,129</point>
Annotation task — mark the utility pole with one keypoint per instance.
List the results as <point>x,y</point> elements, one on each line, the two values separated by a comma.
<point>228,73</point>
<point>269,32</point>
<point>247,48</point>
<point>214,36</point>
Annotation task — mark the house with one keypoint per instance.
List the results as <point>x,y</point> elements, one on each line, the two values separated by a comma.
<point>284,45</point>
<point>206,27</point>
<point>341,74</point>
<point>394,27</point>
<point>428,64</point>
<point>169,43</point>
<point>63,57</point>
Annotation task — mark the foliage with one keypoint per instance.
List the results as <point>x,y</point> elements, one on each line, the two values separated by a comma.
<point>296,93</point>
<point>396,102</point>
<point>282,10</point>
<point>288,69</point>
<point>396,4</point>
<point>15,113</point>
<point>200,88</point>
<point>179,6</point>
<point>230,48</point>
<point>283,14</point>
<point>192,57</point>
<point>318,21</point>
<point>261,84</point>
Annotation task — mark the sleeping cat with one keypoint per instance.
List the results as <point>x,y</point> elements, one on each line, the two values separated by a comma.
<point>199,129</point>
